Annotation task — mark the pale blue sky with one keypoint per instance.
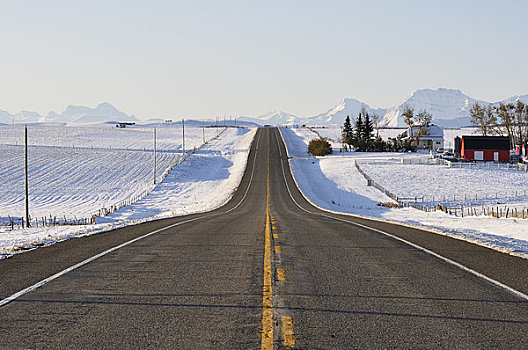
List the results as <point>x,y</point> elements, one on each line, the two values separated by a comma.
<point>206,58</point>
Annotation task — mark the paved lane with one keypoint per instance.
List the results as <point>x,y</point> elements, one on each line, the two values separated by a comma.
<point>352,287</point>
<point>262,272</point>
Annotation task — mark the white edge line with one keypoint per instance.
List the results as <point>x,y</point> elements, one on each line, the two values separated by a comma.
<point>498,284</point>
<point>97,256</point>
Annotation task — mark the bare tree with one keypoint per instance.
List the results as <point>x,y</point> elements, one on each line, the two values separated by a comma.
<point>376,119</point>
<point>483,118</point>
<point>507,120</point>
<point>424,118</point>
<point>521,121</point>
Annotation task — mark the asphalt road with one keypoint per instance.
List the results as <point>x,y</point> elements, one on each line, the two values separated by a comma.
<point>266,270</point>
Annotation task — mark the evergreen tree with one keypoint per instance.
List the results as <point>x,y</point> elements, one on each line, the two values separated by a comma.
<point>348,132</point>
<point>358,131</point>
<point>368,132</point>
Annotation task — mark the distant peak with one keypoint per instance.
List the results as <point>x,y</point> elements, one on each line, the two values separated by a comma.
<point>439,90</point>
<point>105,105</point>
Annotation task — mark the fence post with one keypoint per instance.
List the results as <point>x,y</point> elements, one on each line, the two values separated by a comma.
<point>26,174</point>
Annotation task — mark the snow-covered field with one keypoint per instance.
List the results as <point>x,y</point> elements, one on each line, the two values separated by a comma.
<point>74,171</point>
<point>334,183</point>
<point>468,185</point>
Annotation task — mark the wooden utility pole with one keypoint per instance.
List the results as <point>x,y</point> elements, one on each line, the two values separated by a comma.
<point>26,175</point>
<point>183,131</point>
<point>203,131</point>
<point>155,156</point>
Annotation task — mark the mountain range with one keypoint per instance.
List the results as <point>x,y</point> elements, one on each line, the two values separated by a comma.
<point>72,114</point>
<point>449,107</point>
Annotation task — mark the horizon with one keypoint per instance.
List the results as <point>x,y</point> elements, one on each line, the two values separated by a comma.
<point>342,100</point>
<point>172,60</point>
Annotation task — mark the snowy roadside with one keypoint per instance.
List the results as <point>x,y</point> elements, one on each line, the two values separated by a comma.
<point>216,168</point>
<point>333,183</point>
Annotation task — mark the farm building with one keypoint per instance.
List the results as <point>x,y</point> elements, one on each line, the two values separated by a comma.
<point>431,139</point>
<point>485,148</point>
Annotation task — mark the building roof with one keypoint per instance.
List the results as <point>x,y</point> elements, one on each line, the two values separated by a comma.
<point>486,142</point>
<point>434,132</point>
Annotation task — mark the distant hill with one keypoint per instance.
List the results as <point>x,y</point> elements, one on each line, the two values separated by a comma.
<point>348,107</point>
<point>272,118</point>
<point>72,114</point>
<point>80,114</point>
<point>446,105</point>
<point>449,107</point>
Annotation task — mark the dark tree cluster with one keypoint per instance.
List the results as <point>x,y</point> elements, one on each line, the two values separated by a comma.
<point>361,136</point>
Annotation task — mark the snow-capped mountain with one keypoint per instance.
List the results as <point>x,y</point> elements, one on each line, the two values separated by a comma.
<point>273,118</point>
<point>5,117</point>
<point>26,117</point>
<point>348,107</point>
<point>80,114</point>
<point>448,107</point>
<point>514,99</point>
<point>72,114</point>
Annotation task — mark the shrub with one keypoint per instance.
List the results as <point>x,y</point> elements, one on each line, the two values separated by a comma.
<point>319,147</point>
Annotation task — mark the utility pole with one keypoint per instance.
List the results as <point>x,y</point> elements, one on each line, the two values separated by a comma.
<point>203,131</point>
<point>26,174</point>
<point>154,156</point>
<point>183,131</point>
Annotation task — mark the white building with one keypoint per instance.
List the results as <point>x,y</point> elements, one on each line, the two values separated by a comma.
<point>430,138</point>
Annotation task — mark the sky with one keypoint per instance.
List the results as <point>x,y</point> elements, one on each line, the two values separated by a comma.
<point>202,59</point>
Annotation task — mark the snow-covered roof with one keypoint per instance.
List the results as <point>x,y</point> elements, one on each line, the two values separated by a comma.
<point>434,132</point>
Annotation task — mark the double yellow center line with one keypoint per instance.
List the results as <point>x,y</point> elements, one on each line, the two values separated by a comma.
<point>267,303</point>
<point>267,292</point>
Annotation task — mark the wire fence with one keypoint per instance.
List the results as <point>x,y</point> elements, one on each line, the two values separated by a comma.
<point>461,205</point>
<point>17,222</point>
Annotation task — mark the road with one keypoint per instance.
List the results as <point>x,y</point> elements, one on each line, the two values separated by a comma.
<point>267,270</point>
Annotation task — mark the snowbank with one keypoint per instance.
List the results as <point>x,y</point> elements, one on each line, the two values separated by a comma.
<point>218,166</point>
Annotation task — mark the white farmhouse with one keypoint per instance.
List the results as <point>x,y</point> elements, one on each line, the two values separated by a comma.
<point>430,138</point>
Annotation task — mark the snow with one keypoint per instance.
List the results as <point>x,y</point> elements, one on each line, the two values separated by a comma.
<point>337,115</point>
<point>72,114</point>
<point>74,171</point>
<point>272,118</point>
<point>449,107</point>
<point>333,183</point>
<point>461,184</point>
<point>443,104</point>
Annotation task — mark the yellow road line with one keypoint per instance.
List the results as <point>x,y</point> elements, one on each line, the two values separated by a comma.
<point>275,236</point>
<point>288,336</point>
<point>278,249</point>
<point>267,304</point>
<point>281,275</point>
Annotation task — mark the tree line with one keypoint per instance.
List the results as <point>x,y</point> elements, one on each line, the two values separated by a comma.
<point>361,135</point>
<point>509,119</point>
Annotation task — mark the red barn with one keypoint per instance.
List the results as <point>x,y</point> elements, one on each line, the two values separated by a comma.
<point>485,148</point>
